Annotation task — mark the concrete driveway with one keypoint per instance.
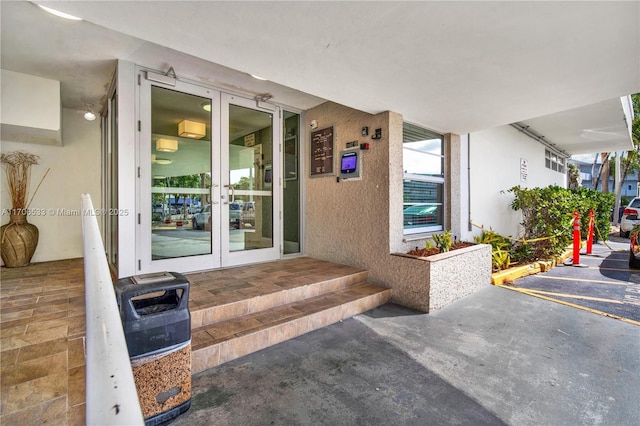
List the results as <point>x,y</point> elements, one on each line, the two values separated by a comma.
<point>495,357</point>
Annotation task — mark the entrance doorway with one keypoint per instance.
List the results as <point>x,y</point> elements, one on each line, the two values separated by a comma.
<point>209,181</point>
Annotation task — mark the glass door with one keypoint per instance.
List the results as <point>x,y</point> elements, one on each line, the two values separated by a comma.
<point>251,181</point>
<point>179,178</point>
<point>209,179</point>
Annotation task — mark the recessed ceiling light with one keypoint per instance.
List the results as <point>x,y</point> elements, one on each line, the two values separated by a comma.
<point>60,14</point>
<point>257,77</point>
<point>163,161</point>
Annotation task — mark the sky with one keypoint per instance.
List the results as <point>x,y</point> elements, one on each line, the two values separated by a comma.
<point>587,158</point>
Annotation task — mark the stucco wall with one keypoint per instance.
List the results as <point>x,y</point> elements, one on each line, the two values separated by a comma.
<point>495,167</point>
<point>359,222</point>
<point>348,221</point>
<point>74,169</point>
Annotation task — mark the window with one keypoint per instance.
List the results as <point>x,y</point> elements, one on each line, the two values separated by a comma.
<point>423,183</point>
<point>554,162</point>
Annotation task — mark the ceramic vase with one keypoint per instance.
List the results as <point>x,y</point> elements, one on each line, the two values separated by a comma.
<point>18,241</point>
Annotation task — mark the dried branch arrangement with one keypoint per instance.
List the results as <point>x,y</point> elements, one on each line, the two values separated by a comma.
<point>17,168</point>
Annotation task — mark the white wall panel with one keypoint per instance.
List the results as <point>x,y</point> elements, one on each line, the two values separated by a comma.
<point>495,168</point>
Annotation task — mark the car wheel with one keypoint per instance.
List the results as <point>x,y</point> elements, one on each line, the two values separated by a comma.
<point>633,262</point>
<point>194,224</point>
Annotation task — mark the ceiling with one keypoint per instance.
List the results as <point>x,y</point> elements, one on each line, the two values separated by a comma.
<point>449,66</point>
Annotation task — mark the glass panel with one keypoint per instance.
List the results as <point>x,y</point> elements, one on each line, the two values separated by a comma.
<point>250,194</point>
<point>181,174</point>
<point>112,180</point>
<point>423,188</point>
<point>291,191</point>
<point>423,204</point>
<point>423,158</point>
<point>422,151</point>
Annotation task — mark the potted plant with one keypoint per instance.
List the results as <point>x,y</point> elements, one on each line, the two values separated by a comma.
<point>18,238</point>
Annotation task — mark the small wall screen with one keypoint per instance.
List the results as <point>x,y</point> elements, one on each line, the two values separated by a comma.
<point>350,164</point>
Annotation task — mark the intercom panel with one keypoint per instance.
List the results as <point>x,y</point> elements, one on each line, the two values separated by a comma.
<point>350,164</point>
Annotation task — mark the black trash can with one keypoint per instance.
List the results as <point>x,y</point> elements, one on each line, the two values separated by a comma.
<point>154,309</point>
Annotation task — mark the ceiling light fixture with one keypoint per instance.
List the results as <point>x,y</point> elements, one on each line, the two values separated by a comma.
<point>257,77</point>
<point>206,106</point>
<point>192,129</point>
<point>163,161</point>
<point>166,145</point>
<point>60,14</point>
<point>89,115</point>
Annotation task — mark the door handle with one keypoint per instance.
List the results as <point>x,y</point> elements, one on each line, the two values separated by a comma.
<point>215,185</point>
<point>233,194</point>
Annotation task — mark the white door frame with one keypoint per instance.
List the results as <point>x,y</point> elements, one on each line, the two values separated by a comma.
<point>220,255</point>
<point>144,234</point>
<point>234,258</point>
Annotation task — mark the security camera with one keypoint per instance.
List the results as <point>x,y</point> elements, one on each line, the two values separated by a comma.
<point>313,124</point>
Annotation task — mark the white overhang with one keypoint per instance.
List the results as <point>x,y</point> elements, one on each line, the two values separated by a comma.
<point>450,66</point>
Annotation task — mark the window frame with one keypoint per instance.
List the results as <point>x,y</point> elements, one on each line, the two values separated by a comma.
<point>554,162</point>
<point>438,180</point>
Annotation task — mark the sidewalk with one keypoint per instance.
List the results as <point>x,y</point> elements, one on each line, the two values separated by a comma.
<point>495,357</point>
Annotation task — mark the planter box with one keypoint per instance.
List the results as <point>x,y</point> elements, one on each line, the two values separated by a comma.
<point>433,282</point>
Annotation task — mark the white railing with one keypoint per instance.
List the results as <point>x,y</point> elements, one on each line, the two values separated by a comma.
<point>111,396</point>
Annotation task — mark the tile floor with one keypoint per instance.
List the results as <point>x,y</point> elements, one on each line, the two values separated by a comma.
<point>42,343</point>
<point>42,327</point>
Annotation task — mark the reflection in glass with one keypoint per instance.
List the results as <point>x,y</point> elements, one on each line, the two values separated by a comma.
<point>423,157</point>
<point>291,190</point>
<point>180,176</point>
<point>250,178</point>
<point>423,187</point>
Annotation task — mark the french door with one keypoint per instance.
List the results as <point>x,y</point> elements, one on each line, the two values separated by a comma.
<point>208,187</point>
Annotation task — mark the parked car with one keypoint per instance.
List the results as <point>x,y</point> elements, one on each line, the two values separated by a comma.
<point>234,215</point>
<point>634,249</point>
<point>201,219</point>
<point>248,215</point>
<point>630,217</point>
<point>421,215</point>
<point>159,208</point>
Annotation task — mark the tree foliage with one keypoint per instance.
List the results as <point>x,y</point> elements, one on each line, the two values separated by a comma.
<point>629,163</point>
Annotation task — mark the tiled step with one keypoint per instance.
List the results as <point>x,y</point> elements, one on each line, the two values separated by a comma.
<point>285,292</point>
<point>223,341</point>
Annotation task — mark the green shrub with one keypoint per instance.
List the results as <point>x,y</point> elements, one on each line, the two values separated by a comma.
<point>443,241</point>
<point>547,216</point>
<point>521,251</point>
<point>497,241</point>
<point>500,259</point>
<point>601,203</point>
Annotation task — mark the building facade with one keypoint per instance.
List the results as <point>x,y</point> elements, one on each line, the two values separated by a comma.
<point>193,167</point>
